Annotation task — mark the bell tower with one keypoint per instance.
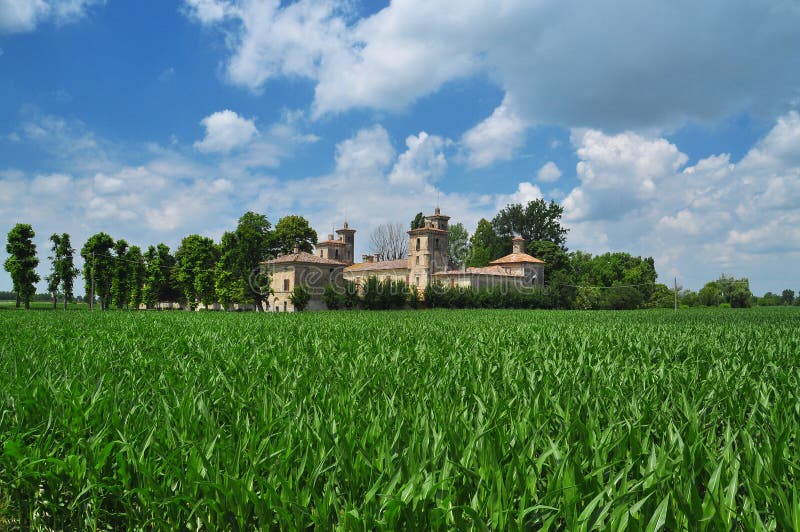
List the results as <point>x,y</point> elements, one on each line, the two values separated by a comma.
<point>348,236</point>
<point>427,250</point>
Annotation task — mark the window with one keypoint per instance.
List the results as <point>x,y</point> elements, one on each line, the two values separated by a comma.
<point>284,306</point>
<point>320,253</point>
<point>417,280</point>
<point>285,288</point>
<point>337,253</point>
<point>418,244</point>
<point>436,244</point>
<point>417,260</point>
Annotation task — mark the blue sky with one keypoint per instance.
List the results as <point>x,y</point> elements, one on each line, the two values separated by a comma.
<point>665,130</point>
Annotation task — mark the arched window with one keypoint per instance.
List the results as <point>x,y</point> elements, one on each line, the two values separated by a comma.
<point>336,252</point>
<point>417,244</point>
<point>436,244</point>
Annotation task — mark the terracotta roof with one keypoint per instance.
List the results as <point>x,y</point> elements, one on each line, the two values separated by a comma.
<point>488,270</point>
<point>516,258</point>
<point>303,258</point>
<point>380,265</point>
<point>423,229</point>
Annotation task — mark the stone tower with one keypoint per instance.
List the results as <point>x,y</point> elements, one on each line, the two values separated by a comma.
<point>517,244</point>
<point>427,250</point>
<point>347,236</point>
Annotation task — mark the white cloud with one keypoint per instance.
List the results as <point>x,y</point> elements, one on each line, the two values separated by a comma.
<point>548,173</point>
<point>497,138</point>
<point>421,163</point>
<point>645,65</point>
<point>18,16</point>
<point>226,130</point>
<point>525,192</point>
<point>367,153</point>
<point>51,184</point>
<point>699,221</point>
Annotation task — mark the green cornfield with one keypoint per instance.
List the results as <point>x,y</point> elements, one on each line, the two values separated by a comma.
<point>384,420</point>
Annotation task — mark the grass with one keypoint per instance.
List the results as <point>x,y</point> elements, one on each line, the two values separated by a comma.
<point>431,419</point>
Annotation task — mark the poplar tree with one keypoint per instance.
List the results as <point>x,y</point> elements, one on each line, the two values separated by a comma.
<point>22,262</point>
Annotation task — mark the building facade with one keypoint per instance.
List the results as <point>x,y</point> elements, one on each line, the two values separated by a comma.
<point>333,263</point>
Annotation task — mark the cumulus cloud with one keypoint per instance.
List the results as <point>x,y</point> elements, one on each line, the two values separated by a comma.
<point>609,65</point>
<point>495,139</point>
<point>548,173</point>
<point>421,163</point>
<point>715,216</point>
<point>17,16</point>
<point>225,131</point>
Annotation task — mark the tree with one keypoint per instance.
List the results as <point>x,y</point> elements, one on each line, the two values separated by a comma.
<point>66,269</point>
<point>787,296</point>
<point>120,283</point>
<point>710,295</point>
<point>389,241</point>
<point>22,262</point>
<point>54,279</point>
<point>740,295</point>
<point>458,245</point>
<point>98,264</point>
<point>238,272</point>
<point>195,261</point>
<point>159,282</point>
<point>536,221</point>
<point>485,246</point>
<point>418,222</point>
<point>137,276</point>
<point>332,298</point>
<point>293,231</point>
<point>300,297</point>
<point>662,297</point>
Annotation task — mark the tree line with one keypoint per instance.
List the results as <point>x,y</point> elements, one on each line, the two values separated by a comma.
<point>203,271</point>
<point>117,274</point>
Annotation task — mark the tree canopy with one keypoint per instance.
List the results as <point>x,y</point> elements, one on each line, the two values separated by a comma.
<point>22,262</point>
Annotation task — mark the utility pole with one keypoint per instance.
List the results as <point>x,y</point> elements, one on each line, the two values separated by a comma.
<point>676,294</point>
<point>91,301</point>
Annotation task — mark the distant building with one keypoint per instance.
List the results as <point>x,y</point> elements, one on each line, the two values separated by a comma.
<point>427,262</point>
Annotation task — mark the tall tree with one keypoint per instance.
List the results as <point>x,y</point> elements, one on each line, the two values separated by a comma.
<point>194,271</point>
<point>239,276</point>
<point>389,241</point>
<point>54,279</point>
<point>458,245</point>
<point>787,296</point>
<point>120,283</point>
<point>293,231</point>
<point>485,245</point>
<point>98,264</point>
<point>137,276</point>
<point>65,257</point>
<point>228,282</point>
<point>154,279</point>
<point>418,222</point>
<point>536,221</point>
<point>22,262</point>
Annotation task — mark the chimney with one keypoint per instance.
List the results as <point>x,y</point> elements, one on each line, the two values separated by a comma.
<point>518,245</point>
<point>330,237</point>
<point>368,258</point>
<point>296,248</point>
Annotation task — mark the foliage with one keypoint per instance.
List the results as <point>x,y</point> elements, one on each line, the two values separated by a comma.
<point>195,260</point>
<point>535,221</point>
<point>787,297</point>
<point>350,298</point>
<point>485,245</point>
<point>458,245</point>
<point>293,231</point>
<point>418,222</point>
<point>137,276</point>
<point>662,297</point>
<point>120,283</point>
<point>98,265</point>
<point>238,271</point>
<point>332,298</point>
<point>300,297</point>
<point>22,262</point>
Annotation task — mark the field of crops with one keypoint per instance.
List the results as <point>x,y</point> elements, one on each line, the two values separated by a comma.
<point>428,419</point>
